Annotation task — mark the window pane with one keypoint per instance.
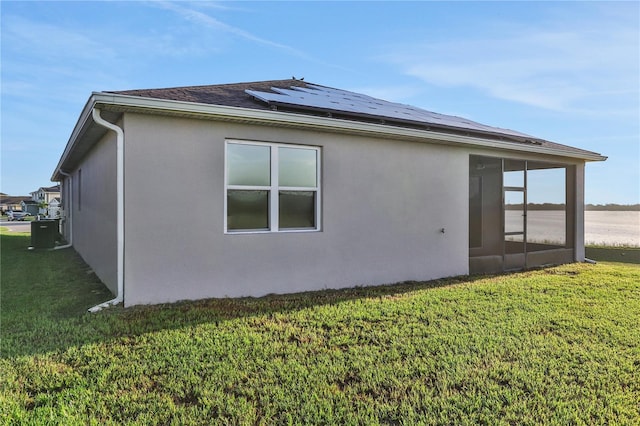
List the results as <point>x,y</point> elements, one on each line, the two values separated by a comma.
<point>546,215</point>
<point>247,209</point>
<point>248,165</point>
<point>297,209</point>
<point>513,211</point>
<point>475,211</point>
<point>297,167</point>
<point>514,173</point>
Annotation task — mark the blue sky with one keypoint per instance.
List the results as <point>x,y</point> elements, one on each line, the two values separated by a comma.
<point>568,72</point>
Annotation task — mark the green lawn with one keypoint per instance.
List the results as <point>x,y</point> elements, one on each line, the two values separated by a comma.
<point>553,346</point>
<point>613,254</point>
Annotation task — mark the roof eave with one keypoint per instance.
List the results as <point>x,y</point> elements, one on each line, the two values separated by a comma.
<point>128,103</point>
<point>82,122</point>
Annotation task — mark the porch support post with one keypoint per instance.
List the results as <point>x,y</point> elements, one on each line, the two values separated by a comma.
<point>578,216</point>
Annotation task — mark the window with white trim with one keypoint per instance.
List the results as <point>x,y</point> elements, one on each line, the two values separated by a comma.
<point>271,187</point>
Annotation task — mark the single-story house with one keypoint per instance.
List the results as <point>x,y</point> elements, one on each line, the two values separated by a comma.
<point>31,207</point>
<point>299,186</point>
<point>11,202</point>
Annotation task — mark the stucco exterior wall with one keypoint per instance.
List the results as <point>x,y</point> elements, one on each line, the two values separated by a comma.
<point>65,198</point>
<point>94,210</point>
<point>384,204</point>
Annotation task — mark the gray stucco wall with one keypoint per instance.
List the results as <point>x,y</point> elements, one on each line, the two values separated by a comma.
<point>384,204</point>
<point>94,210</point>
<point>65,222</point>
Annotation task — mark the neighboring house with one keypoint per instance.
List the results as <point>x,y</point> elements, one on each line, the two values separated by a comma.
<point>303,187</point>
<point>12,203</point>
<point>43,197</point>
<point>31,207</point>
<point>46,194</point>
<point>54,208</point>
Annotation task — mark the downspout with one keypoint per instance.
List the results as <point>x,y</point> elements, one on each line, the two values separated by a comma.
<point>120,208</point>
<point>70,213</point>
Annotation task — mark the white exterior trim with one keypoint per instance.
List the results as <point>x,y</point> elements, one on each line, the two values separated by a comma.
<point>123,103</point>
<point>274,187</point>
<point>289,119</point>
<point>119,209</point>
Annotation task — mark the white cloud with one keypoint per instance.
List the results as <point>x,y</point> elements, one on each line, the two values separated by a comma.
<point>202,18</point>
<point>49,41</point>
<point>564,66</point>
<point>193,14</point>
<point>46,62</point>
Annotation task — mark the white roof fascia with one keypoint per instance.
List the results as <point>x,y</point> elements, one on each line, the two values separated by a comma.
<point>84,116</point>
<point>297,120</point>
<point>286,119</point>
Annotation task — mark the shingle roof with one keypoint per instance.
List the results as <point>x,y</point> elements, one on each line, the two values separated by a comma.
<point>54,188</point>
<point>244,95</point>
<point>13,199</point>
<point>219,94</point>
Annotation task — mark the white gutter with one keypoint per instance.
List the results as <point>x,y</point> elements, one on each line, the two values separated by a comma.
<point>80,124</point>
<point>70,213</point>
<point>127,103</point>
<point>123,103</point>
<point>120,208</point>
<point>118,102</point>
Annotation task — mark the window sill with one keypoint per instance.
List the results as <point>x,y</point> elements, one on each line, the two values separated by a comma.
<point>282,231</point>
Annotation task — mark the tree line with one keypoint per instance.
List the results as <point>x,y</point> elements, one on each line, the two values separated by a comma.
<point>589,207</point>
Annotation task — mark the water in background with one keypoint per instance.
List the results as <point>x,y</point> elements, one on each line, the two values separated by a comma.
<point>612,228</point>
<point>609,228</point>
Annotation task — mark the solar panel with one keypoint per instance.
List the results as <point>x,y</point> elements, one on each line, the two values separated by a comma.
<point>330,100</point>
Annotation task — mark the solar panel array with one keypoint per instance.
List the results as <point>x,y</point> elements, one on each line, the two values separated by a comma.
<point>320,98</point>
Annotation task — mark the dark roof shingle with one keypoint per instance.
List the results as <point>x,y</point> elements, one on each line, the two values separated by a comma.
<point>219,94</point>
<point>235,95</point>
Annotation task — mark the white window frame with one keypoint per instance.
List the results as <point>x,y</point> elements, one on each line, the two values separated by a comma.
<point>274,188</point>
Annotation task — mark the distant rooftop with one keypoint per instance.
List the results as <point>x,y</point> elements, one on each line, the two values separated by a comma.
<point>54,188</point>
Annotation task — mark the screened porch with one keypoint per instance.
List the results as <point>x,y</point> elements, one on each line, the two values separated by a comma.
<point>521,214</point>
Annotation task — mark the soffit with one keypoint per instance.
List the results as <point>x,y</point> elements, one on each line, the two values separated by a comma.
<point>297,97</point>
<point>294,103</point>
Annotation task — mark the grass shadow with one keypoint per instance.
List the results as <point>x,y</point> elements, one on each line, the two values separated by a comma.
<point>45,296</point>
<point>614,254</point>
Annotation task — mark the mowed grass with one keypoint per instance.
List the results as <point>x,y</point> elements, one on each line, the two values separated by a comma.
<point>553,346</point>
<point>614,254</point>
